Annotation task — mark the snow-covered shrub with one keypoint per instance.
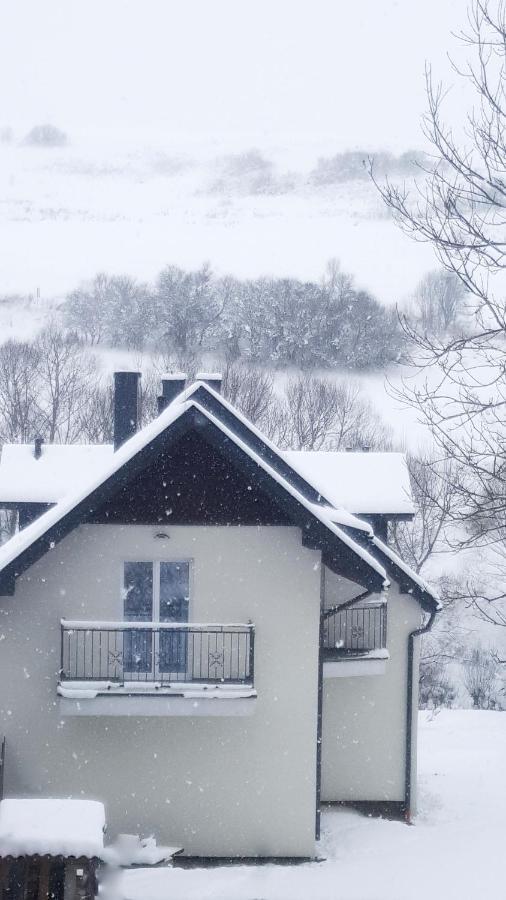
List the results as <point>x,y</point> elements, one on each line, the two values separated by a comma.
<point>481,679</point>
<point>436,686</point>
<point>354,165</point>
<point>46,136</point>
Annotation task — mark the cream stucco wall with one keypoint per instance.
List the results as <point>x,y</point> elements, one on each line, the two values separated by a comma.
<point>216,786</point>
<point>364,718</point>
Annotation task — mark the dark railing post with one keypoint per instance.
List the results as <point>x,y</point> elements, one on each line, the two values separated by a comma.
<point>62,632</point>
<point>251,653</point>
<point>2,768</point>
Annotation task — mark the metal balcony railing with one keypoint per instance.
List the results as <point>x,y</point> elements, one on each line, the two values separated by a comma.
<point>157,652</point>
<point>355,630</point>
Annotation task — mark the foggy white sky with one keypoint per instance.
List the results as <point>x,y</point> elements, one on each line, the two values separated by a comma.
<point>352,69</point>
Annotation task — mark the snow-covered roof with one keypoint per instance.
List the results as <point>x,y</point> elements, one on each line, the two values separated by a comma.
<point>42,526</point>
<point>58,470</point>
<point>54,827</point>
<point>424,585</point>
<point>265,455</point>
<point>374,483</point>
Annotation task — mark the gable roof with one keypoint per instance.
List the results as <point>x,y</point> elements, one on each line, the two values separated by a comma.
<point>362,483</point>
<point>31,543</point>
<point>332,529</point>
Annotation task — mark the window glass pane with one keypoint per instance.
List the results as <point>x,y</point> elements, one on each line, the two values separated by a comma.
<point>138,607</point>
<point>174,599</point>
<point>174,591</point>
<point>138,591</point>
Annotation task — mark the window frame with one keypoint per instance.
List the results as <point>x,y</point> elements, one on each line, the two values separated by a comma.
<point>155,562</point>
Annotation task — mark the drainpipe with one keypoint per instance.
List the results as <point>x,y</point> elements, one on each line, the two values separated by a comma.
<point>408,789</point>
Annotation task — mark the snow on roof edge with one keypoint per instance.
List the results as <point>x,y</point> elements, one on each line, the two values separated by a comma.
<point>56,827</point>
<point>21,541</point>
<point>419,581</point>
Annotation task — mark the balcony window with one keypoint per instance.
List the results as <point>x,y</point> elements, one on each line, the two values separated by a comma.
<point>155,592</point>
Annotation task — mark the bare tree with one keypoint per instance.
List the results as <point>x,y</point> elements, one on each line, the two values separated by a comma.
<point>64,376</point>
<point>438,301</point>
<point>251,390</point>
<point>8,524</point>
<point>87,308</point>
<point>324,414</point>
<point>432,485</point>
<point>460,208</point>
<point>480,678</point>
<point>356,424</point>
<point>97,416</point>
<point>436,687</point>
<point>19,419</point>
<point>310,405</point>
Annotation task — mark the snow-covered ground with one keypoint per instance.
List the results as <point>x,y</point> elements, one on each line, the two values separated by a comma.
<point>455,849</point>
<point>120,206</point>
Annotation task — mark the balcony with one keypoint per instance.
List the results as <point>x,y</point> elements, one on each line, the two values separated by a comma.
<point>354,636</point>
<point>156,668</point>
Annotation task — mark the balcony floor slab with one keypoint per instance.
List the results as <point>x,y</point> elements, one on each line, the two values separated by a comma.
<point>150,699</point>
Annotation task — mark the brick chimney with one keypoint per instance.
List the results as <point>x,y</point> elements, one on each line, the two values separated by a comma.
<point>213,379</point>
<point>126,406</point>
<point>172,385</point>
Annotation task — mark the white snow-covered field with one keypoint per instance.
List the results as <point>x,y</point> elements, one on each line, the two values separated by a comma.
<point>125,206</point>
<point>455,850</point>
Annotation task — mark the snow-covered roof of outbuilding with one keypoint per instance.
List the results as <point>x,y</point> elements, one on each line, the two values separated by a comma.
<point>53,827</point>
<point>24,478</point>
<point>366,482</point>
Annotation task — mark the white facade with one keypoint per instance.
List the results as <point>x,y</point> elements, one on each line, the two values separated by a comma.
<point>223,763</point>
<point>224,786</point>
<point>364,718</point>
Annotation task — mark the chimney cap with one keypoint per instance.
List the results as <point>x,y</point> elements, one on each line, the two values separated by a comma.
<point>173,376</point>
<point>209,376</point>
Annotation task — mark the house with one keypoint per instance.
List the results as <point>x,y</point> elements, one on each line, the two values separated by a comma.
<point>197,633</point>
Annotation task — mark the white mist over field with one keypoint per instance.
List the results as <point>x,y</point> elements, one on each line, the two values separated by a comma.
<point>70,212</point>
<point>156,99</point>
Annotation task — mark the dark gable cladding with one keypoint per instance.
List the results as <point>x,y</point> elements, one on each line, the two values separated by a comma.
<point>273,457</point>
<point>194,481</point>
<point>336,554</point>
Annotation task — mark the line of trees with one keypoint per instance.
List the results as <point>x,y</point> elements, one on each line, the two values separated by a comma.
<point>275,321</point>
<point>53,386</point>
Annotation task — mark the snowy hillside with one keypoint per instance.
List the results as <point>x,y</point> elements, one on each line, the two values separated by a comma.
<point>119,206</point>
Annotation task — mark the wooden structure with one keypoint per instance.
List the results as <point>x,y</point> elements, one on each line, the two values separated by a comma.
<point>48,878</point>
<point>50,849</point>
